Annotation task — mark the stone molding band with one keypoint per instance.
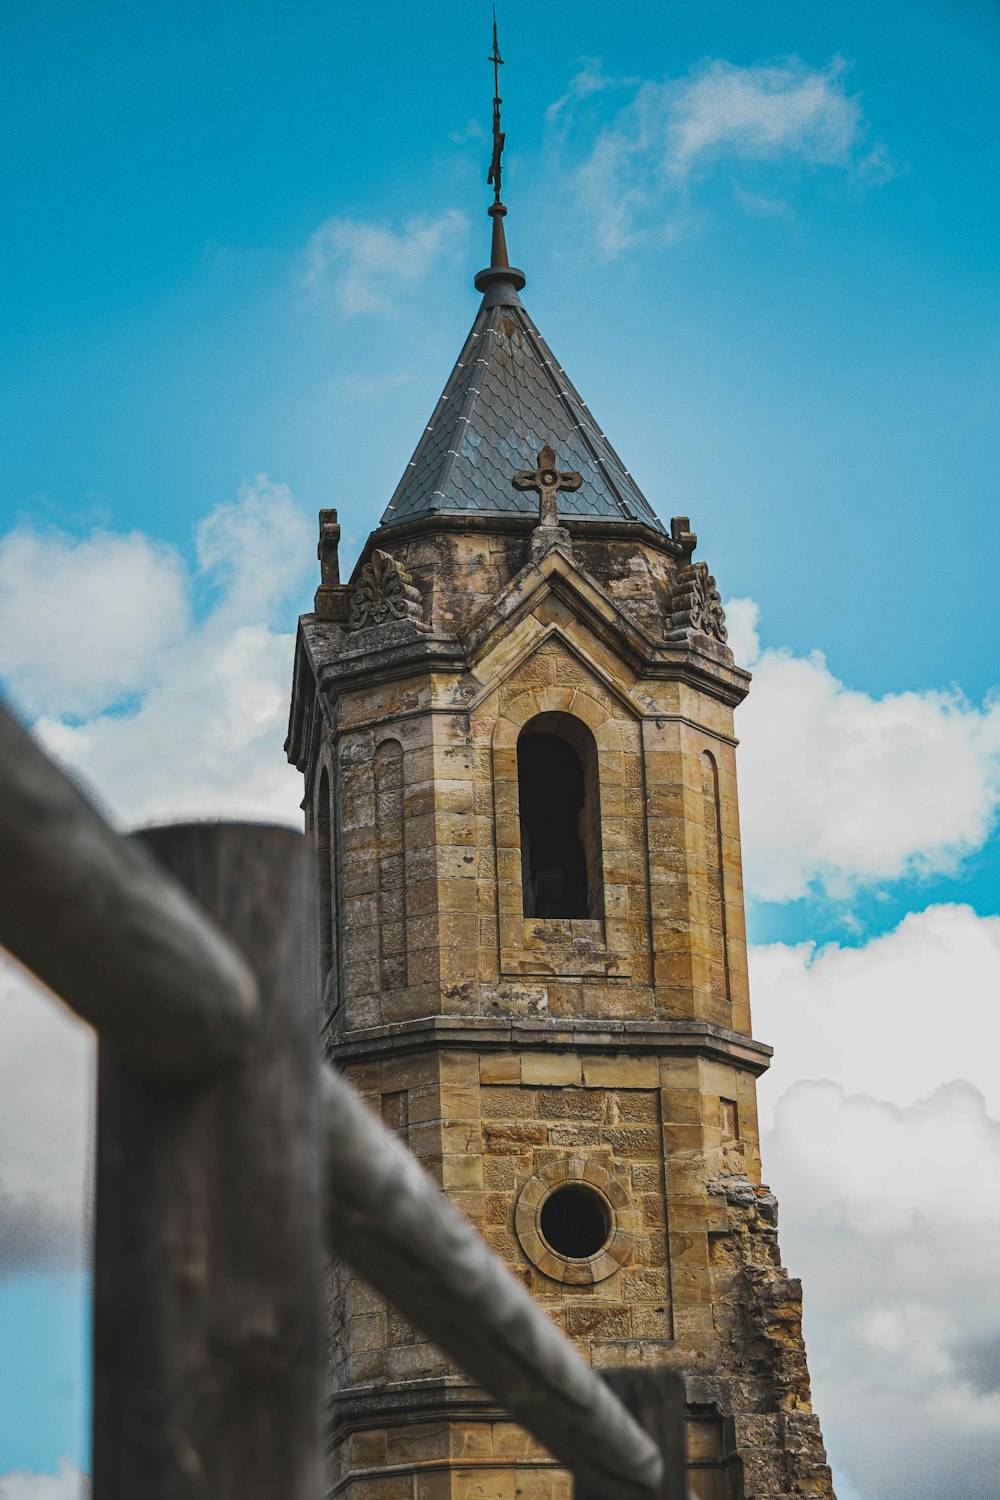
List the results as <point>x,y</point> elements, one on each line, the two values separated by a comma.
<point>483,1034</point>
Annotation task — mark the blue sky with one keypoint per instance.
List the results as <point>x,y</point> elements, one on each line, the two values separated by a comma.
<point>238,244</point>
<point>815,383</point>
<point>45,1319</point>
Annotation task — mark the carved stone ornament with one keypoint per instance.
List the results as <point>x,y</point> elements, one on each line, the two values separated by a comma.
<point>697,604</point>
<point>384,593</point>
<point>548,479</point>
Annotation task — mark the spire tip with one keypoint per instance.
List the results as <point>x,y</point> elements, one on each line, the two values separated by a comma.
<point>500,269</point>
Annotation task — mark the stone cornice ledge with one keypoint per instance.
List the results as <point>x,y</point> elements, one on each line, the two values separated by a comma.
<point>487,1034</point>
<point>353,1406</point>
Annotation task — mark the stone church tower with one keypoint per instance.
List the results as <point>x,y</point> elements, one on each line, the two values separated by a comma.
<point>515,724</point>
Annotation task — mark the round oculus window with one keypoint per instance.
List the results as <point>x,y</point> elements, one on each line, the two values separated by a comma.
<point>574,1221</point>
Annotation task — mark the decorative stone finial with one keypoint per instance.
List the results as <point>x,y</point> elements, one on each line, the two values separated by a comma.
<point>697,605</point>
<point>329,602</point>
<point>681,533</point>
<point>384,593</point>
<point>326,550</point>
<point>548,480</point>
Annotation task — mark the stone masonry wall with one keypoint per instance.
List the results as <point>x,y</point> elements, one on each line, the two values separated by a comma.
<point>701,1289</point>
<point>514,1054</point>
<point>464,946</point>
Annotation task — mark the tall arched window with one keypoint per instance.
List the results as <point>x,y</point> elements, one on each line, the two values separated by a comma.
<point>389,833</point>
<point>324,852</point>
<point>716,881</point>
<point>560,817</point>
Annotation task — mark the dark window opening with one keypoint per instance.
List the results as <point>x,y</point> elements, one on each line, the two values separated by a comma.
<point>574,1221</point>
<point>560,824</point>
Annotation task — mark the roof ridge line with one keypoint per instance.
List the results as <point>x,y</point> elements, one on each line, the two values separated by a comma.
<point>458,369</point>
<point>451,454</point>
<point>563,387</point>
<point>467,454</point>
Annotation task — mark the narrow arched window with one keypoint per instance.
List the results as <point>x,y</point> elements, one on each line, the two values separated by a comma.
<point>716,877</point>
<point>560,818</point>
<point>391,864</point>
<point>324,853</point>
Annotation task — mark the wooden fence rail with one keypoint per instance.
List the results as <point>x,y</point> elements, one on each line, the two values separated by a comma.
<point>92,916</point>
<point>222,1141</point>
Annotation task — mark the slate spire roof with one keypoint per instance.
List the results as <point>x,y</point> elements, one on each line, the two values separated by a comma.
<point>505,399</point>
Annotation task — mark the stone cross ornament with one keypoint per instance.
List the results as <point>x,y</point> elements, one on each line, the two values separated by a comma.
<point>548,480</point>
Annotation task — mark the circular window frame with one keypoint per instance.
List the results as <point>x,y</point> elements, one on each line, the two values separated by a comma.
<point>575,1270</point>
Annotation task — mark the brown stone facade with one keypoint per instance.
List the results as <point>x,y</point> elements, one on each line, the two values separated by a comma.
<point>520,1057</point>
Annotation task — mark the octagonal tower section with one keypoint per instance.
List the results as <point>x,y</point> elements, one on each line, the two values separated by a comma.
<point>515,724</point>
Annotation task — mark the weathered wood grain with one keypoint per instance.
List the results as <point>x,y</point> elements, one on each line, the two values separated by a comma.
<point>208,1358</point>
<point>208,1372</point>
<point>94,918</point>
<point>655,1398</point>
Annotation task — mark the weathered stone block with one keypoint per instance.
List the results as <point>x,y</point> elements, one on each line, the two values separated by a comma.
<point>567,1103</point>
<point>496,1068</point>
<point>507,1103</point>
<point>512,1139</point>
<point>550,1068</point>
<point>621,1071</point>
<point>598,1320</point>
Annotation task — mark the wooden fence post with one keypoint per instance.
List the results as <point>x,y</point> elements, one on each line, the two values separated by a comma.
<point>208,1307</point>
<point>656,1399</point>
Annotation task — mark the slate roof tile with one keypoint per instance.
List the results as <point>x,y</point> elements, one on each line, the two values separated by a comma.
<point>506,397</point>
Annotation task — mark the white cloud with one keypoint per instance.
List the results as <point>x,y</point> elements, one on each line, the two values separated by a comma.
<point>205,738</point>
<point>472,130</point>
<point>66,1484</point>
<point>762,206</point>
<point>359,263</point>
<point>882,1141</point>
<point>893,1017</point>
<point>80,620</point>
<point>892,1218</point>
<point>46,1066</point>
<point>839,789</point>
<point>256,549</point>
<point>639,171</point>
<point>787,109</point>
<point>590,80</point>
<point>742,619</point>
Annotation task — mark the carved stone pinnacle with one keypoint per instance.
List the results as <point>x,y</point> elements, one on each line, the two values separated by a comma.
<point>384,592</point>
<point>697,605</point>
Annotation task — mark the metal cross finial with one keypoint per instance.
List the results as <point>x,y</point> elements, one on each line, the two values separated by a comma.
<point>494,174</point>
<point>548,480</point>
